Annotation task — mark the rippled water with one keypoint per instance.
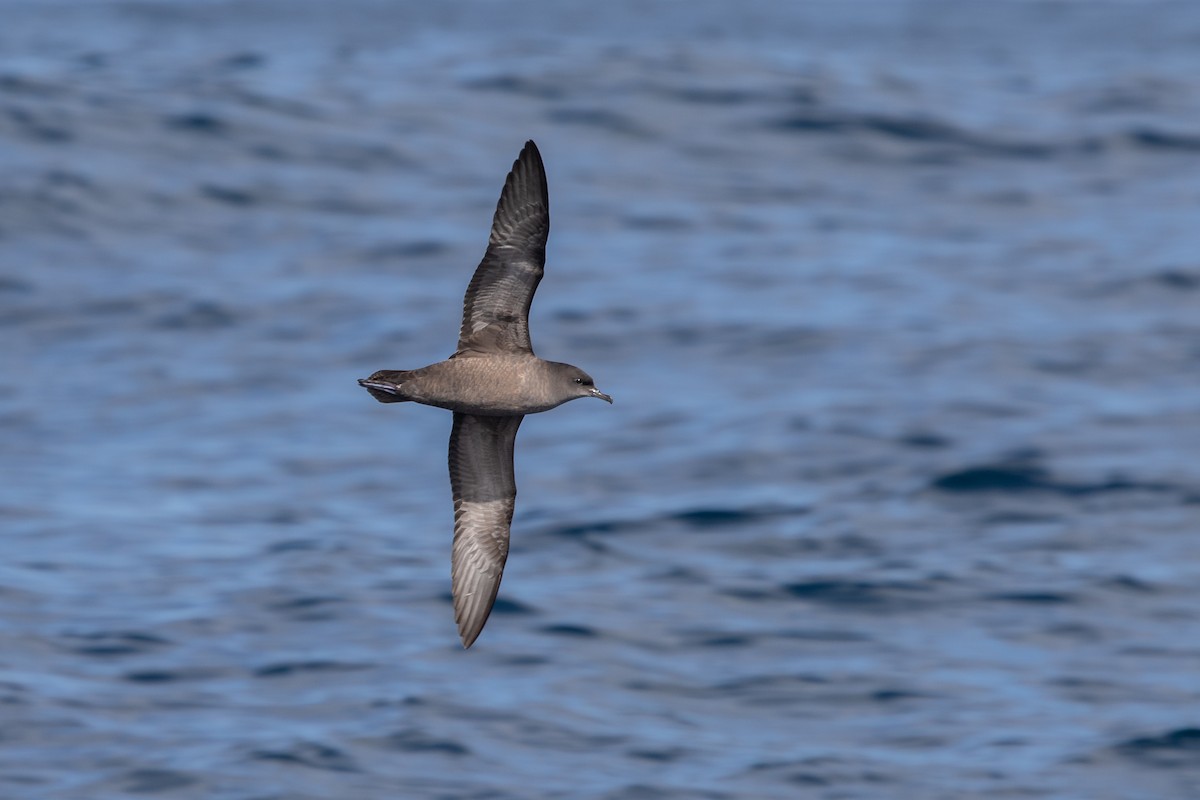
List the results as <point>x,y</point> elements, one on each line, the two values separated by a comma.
<point>899,302</point>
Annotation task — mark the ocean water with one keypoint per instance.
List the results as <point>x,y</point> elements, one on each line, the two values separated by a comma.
<point>899,303</point>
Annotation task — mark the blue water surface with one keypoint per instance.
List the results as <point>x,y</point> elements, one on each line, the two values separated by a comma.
<point>899,303</point>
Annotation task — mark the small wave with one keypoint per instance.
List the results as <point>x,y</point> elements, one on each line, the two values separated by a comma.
<point>197,122</point>
<point>711,518</point>
<point>603,119</point>
<point>884,595</point>
<point>285,668</point>
<point>1164,140</point>
<point>924,130</point>
<point>116,643</point>
<point>229,195</point>
<point>1027,478</point>
<point>572,631</point>
<point>169,675</point>
<point>1175,748</point>
<point>1035,597</point>
<point>416,742</point>
<point>310,754</point>
<point>515,84</point>
<point>152,781</point>
<point>197,315</point>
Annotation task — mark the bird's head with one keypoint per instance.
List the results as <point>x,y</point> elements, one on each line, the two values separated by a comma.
<point>581,383</point>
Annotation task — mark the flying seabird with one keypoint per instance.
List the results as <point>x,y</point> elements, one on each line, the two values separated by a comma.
<point>490,383</point>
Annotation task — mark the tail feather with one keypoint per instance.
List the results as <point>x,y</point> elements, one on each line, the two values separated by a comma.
<point>387,385</point>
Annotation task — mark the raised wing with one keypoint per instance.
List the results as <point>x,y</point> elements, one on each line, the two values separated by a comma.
<point>481,477</point>
<point>496,307</point>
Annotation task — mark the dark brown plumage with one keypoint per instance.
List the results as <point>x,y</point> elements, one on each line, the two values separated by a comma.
<point>490,383</point>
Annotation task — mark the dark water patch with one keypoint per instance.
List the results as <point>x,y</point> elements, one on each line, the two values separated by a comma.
<point>38,126</point>
<point>841,594</point>
<point>12,694</point>
<point>360,155</point>
<point>1128,583</point>
<point>1033,597</point>
<point>392,251</point>
<point>1018,478</point>
<point>1067,364</point>
<point>661,756</point>
<point>713,517</point>
<point>1114,485</point>
<point>645,791</point>
<point>157,676</point>
<point>571,631</point>
<point>246,60</point>
<point>11,285</point>
<point>286,668</point>
<point>722,640</point>
<point>1085,690</point>
<point>1178,279</point>
<point>515,84</point>
<point>1020,518</point>
<point>411,741</point>
<point>925,440</point>
<point>599,118</point>
<point>310,754</point>
<point>656,223</point>
<point>293,546</point>
<point>67,179</point>
<point>992,478</point>
<point>1175,748</point>
<point>1139,97</point>
<point>1076,632</point>
<point>228,195</point>
<point>270,152</point>
<point>585,529</point>
<point>919,130</point>
<point>825,635</point>
<point>293,107</point>
<point>200,122</point>
<point>895,695</point>
<point>197,315</point>
<point>737,339</point>
<point>309,608</point>
<point>149,781</point>
<point>709,96</point>
<point>710,519</point>
<point>93,60</point>
<point>892,595</point>
<point>773,689</point>
<point>23,84</point>
<point>1152,139</point>
<point>1171,279</point>
<point>115,643</point>
<point>932,132</point>
<point>526,660</point>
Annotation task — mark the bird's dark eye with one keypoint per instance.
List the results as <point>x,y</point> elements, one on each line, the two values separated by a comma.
<point>579,381</point>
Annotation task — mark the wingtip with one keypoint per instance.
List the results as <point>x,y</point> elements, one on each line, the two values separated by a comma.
<point>531,154</point>
<point>468,635</point>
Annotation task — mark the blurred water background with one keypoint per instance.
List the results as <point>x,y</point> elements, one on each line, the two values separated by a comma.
<point>899,302</point>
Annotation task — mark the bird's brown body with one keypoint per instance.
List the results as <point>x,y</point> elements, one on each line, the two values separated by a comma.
<point>492,386</point>
<point>490,383</point>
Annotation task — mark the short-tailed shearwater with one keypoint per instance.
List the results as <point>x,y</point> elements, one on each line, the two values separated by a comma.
<point>490,383</point>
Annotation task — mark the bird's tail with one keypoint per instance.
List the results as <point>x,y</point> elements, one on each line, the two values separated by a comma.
<point>387,385</point>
